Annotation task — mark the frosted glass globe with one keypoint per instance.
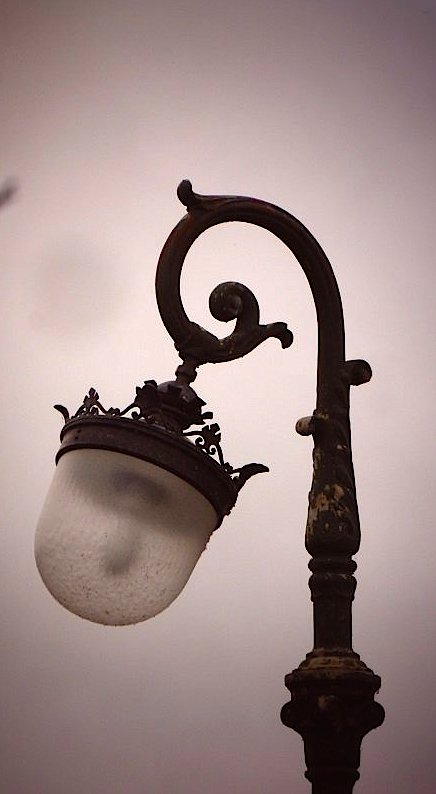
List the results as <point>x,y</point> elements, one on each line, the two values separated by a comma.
<point>118,537</point>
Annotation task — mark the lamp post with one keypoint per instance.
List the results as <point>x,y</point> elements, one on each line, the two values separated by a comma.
<point>138,491</point>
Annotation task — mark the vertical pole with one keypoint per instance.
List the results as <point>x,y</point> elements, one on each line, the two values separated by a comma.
<point>332,691</point>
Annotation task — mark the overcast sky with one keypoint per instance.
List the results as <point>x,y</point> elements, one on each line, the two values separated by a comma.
<point>327,108</point>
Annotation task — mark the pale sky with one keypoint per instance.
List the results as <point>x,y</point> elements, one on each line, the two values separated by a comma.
<point>326,108</point>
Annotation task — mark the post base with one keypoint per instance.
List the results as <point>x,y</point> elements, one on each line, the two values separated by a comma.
<point>332,708</point>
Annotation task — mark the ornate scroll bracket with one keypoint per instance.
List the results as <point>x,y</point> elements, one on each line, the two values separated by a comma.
<point>333,520</point>
<point>228,301</point>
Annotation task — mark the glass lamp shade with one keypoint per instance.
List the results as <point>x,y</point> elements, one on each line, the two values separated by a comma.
<point>118,536</point>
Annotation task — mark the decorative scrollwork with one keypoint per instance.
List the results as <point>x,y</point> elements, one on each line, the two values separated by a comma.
<point>208,439</point>
<point>166,405</point>
<point>145,402</point>
<point>228,301</point>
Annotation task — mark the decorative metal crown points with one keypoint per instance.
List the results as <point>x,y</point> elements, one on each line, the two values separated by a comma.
<point>172,407</point>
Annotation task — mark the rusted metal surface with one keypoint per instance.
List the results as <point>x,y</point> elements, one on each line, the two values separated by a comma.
<point>332,692</point>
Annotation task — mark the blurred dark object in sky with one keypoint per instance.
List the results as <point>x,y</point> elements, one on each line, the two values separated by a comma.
<point>7,191</point>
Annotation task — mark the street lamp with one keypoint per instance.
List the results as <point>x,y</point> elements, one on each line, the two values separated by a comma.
<point>138,492</point>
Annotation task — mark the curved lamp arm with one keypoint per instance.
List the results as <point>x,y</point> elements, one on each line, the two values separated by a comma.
<point>332,704</point>
<point>332,503</point>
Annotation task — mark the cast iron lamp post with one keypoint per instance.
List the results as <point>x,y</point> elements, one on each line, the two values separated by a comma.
<point>137,492</point>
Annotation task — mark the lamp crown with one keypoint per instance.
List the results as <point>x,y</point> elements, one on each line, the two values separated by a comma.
<point>172,406</point>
